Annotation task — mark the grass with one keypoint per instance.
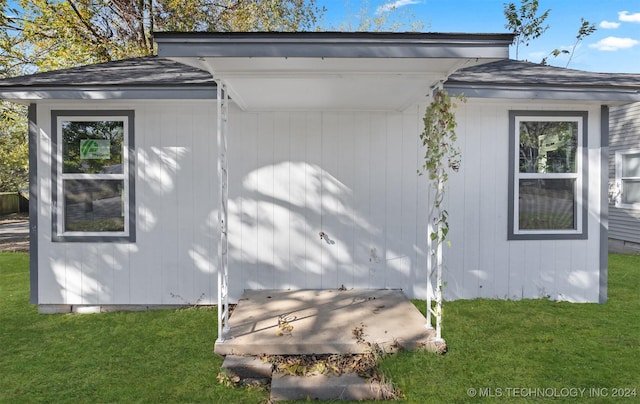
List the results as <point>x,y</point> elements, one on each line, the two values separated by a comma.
<point>152,357</point>
<point>495,347</point>
<point>533,344</point>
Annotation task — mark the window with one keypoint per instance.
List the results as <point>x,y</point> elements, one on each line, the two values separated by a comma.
<point>547,179</point>
<point>93,187</point>
<point>628,179</point>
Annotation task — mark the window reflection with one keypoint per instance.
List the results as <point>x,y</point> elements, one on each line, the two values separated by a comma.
<point>92,147</point>
<point>548,147</point>
<point>94,205</point>
<point>547,204</point>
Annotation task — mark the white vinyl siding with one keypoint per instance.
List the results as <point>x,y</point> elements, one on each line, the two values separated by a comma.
<point>624,221</point>
<point>482,261</point>
<point>352,175</point>
<point>291,175</point>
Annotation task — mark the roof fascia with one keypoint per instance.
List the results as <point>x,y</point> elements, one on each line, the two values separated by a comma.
<point>24,94</point>
<point>333,45</point>
<point>544,92</point>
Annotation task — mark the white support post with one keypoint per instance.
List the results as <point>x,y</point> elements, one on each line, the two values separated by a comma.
<point>429,272</point>
<point>434,268</point>
<point>438,287</point>
<point>223,269</point>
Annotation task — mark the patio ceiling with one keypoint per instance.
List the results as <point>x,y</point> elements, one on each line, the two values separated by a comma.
<point>331,71</point>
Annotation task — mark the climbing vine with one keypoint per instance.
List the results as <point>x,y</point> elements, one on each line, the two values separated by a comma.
<point>442,155</point>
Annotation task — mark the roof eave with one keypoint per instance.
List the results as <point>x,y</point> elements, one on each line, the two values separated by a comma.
<point>559,93</point>
<point>333,45</point>
<point>25,94</point>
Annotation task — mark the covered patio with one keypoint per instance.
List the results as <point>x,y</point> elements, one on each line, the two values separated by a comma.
<point>303,322</point>
<point>323,72</point>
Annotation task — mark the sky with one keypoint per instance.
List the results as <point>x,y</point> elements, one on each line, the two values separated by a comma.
<point>614,47</point>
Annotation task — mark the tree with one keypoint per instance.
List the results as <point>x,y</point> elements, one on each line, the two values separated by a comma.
<point>528,26</point>
<point>524,22</point>
<point>390,19</point>
<point>75,32</point>
<point>41,35</point>
<point>14,150</point>
<point>586,29</point>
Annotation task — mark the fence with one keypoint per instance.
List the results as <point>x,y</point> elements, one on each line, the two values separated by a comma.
<point>13,202</point>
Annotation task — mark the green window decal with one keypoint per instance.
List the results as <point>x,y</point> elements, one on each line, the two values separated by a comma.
<point>95,149</point>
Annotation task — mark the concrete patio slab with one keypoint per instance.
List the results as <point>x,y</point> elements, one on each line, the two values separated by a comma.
<point>347,386</point>
<point>302,322</point>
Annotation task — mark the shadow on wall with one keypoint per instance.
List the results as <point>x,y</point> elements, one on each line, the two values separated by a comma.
<point>296,226</point>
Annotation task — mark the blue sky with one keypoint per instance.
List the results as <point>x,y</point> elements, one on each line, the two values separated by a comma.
<point>614,47</point>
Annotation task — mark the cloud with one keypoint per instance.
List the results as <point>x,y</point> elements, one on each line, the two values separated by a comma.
<point>536,55</point>
<point>609,25</point>
<point>395,5</point>
<point>612,43</point>
<point>626,17</point>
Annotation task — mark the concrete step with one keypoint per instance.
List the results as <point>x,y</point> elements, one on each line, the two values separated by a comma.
<point>250,369</point>
<point>347,386</point>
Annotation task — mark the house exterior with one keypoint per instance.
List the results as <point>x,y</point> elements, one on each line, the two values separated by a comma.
<point>624,176</point>
<point>288,161</point>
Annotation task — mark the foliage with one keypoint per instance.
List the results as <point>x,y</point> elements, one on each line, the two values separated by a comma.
<point>60,34</point>
<point>524,22</point>
<point>391,19</point>
<point>42,35</point>
<point>528,26</point>
<point>586,29</point>
<point>441,154</point>
<point>14,150</point>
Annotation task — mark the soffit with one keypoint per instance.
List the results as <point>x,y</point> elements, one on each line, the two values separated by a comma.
<point>331,71</point>
<point>327,83</point>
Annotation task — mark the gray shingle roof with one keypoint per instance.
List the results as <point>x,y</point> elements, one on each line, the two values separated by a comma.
<point>519,72</point>
<point>139,72</point>
<point>512,79</point>
<point>502,79</point>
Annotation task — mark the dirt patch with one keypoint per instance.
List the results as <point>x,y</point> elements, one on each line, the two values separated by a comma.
<point>14,218</point>
<point>10,238</point>
<point>15,246</point>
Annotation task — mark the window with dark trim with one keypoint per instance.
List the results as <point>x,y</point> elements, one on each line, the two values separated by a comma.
<point>548,175</point>
<point>627,179</point>
<point>93,176</point>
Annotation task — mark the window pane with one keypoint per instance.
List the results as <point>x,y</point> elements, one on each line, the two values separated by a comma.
<point>93,205</point>
<point>547,204</point>
<point>631,165</point>
<point>548,147</point>
<point>92,147</point>
<point>630,191</point>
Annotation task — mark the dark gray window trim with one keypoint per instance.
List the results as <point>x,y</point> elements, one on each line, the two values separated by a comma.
<point>32,115</point>
<point>604,203</point>
<point>129,114</point>
<point>585,177</point>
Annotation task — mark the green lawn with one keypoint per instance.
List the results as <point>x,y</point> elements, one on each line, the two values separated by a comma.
<point>501,348</point>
